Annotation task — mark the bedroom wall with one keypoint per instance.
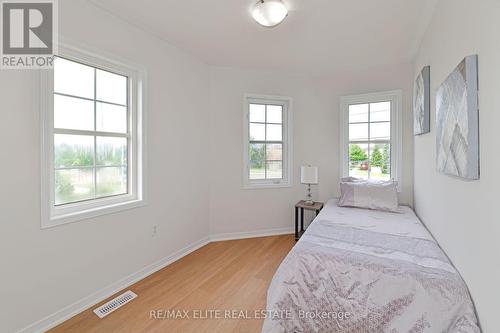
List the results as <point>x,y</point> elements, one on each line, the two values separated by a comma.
<point>42,271</point>
<point>463,215</point>
<point>234,210</point>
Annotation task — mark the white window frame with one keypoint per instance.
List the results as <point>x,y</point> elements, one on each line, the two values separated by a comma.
<point>395,97</point>
<point>53,215</point>
<point>286,102</point>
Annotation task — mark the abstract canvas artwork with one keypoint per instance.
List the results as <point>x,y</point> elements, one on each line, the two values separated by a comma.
<point>457,122</point>
<point>422,103</point>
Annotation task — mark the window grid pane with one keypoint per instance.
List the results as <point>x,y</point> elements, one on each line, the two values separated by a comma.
<point>265,142</point>
<point>369,128</point>
<point>257,113</point>
<point>111,181</point>
<point>73,151</point>
<point>110,87</point>
<point>99,168</point>
<point>73,78</point>
<point>73,113</point>
<point>380,157</point>
<point>73,185</point>
<point>274,114</point>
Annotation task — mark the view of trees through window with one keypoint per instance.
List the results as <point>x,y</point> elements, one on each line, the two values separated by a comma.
<point>369,140</point>
<point>90,132</point>
<point>379,162</point>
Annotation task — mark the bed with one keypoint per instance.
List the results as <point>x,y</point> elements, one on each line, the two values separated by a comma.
<point>362,271</point>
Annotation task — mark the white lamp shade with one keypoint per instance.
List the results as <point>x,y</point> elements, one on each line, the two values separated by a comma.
<point>269,13</point>
<point>309,175</point>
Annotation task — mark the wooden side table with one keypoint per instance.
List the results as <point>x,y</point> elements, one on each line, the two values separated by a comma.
<point>302,205</point>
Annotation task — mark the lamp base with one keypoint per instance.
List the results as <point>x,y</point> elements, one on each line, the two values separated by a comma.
<point>309,201</point>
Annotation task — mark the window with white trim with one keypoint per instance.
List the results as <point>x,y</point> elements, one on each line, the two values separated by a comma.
<point>92,138</point>
<point>267,141</point>
<point>371,137</point>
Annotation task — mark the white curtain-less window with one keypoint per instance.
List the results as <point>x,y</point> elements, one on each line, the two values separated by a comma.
<point>92,144</point>
<point>267,141</point>
<point>371,138</point>
<point>90,132</point>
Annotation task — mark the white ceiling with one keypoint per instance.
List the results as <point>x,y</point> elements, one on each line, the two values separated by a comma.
<point>319,37</point>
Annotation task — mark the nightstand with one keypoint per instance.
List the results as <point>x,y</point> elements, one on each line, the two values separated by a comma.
<point>317,207</point>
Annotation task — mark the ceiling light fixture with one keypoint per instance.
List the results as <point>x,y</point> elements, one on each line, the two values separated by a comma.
<point>269,13</point>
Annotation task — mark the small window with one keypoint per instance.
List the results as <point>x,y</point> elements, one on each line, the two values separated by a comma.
<point>267,141</point>
<point>92,149</point>
<point>370,141</point>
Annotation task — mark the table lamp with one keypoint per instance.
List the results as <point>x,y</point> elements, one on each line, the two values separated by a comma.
<point>309,176</point>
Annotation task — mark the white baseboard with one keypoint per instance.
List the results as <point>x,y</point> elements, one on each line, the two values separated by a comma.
<point>89,301</point>
<point>66,313</point>
<point>251,234</point>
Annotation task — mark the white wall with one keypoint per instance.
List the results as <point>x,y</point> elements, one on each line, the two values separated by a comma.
<point>462,215</point>
<point>316,140</point>
<point>42,271</point>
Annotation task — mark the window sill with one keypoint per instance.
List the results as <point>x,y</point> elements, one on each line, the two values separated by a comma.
<point>84,214</point>
<point>257,186</point>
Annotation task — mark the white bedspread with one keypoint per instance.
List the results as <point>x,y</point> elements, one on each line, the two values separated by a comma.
<point>357,270</point>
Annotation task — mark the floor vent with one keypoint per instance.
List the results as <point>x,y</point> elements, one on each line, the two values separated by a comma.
<point>114,304</point>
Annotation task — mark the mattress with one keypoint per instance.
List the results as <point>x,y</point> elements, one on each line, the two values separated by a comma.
<point>357,270</point>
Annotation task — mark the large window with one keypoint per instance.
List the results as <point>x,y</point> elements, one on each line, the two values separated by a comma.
<point>267,141</point>
<point>90,132</point>
<point>371,138</point>
<point>92,137</point>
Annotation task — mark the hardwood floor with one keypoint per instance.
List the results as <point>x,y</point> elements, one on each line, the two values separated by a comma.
<point>228,275</point>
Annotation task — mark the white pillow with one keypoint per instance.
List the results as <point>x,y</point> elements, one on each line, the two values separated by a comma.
<point>378,195</point>
<point>352,180</point>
